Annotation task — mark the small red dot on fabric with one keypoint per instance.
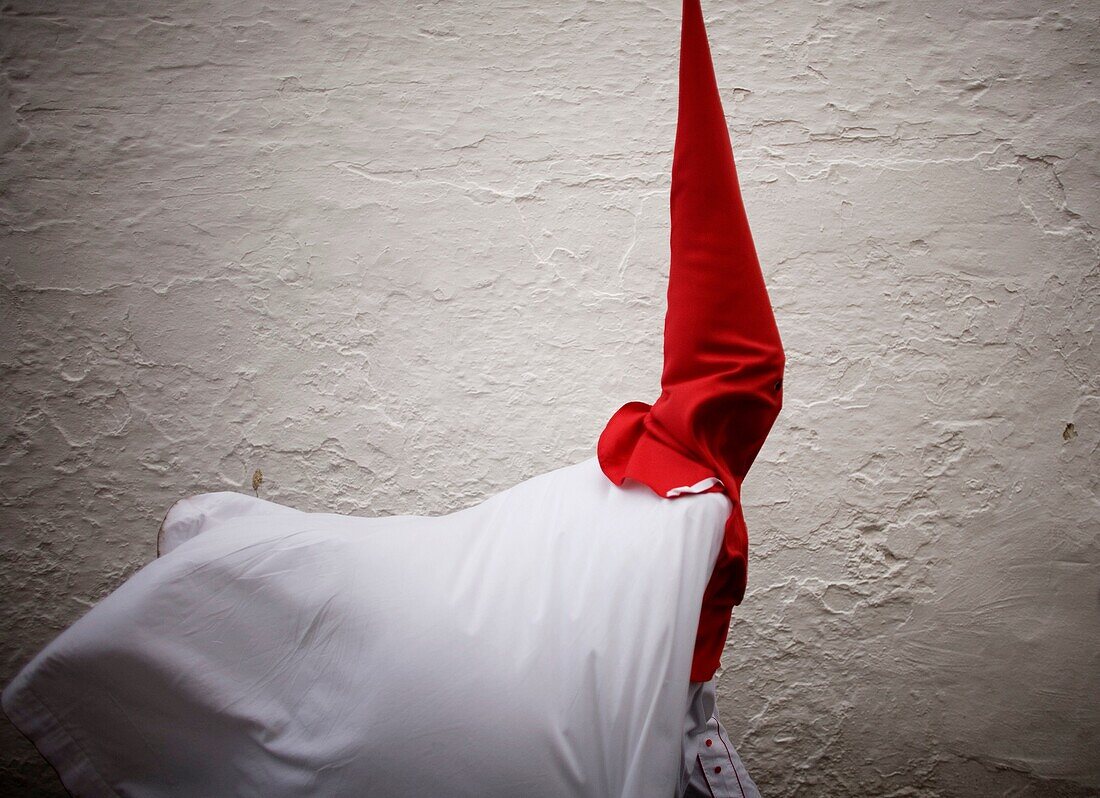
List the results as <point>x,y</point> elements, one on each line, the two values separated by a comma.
<point>710,743</point>
<point>718,769</point>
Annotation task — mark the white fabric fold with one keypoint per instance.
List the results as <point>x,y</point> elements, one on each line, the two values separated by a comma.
<point>537,644</point>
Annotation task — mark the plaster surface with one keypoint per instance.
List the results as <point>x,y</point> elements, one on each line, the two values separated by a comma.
<point>399,256</point>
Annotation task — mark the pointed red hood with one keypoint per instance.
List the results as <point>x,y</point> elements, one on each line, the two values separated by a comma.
<point>721,386</point>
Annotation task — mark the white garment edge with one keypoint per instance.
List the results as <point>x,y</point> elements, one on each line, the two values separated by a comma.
<point>698,487</point>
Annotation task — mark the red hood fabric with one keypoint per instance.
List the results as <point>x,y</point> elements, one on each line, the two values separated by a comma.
<point>721,386</point>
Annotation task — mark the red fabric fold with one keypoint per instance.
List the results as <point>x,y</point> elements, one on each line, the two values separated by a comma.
<point>723,357</point>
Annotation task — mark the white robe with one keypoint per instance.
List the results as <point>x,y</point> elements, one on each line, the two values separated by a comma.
<point>538,644</point>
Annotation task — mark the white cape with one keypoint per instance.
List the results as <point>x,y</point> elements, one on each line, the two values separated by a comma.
<point>536,644</point>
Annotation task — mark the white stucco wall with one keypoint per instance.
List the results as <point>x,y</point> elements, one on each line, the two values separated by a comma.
<point>400,256</point>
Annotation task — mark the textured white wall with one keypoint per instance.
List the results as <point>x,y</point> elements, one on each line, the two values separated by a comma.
<point>401,256</point>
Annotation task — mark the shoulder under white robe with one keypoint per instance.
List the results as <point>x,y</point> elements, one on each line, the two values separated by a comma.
<point>538,643</point>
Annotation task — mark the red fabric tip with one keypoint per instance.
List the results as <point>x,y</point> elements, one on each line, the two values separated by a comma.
<point>723,358</point>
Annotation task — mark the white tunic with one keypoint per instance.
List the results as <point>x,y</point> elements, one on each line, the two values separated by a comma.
<point>535,644</point>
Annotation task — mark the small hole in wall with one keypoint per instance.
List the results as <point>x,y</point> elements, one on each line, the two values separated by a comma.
<point>257,480</point>
<point>1070,432</point>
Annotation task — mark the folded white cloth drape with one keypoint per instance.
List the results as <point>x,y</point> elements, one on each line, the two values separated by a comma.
<point>538,643</point>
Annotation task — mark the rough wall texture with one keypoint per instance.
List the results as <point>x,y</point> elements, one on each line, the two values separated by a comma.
<point>401,256</point>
